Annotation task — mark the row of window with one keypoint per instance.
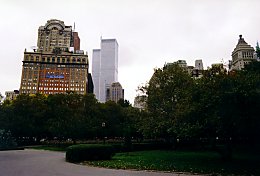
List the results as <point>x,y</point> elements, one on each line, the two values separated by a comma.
<point>64,85</point>
<point>61,89</point>
<point>51,88</point>
<point>55,59</point>
<point>47,92</point>
<point>36,66</point>
<point>28,88</point>
<point>28,91</point>
<point>62,81</point>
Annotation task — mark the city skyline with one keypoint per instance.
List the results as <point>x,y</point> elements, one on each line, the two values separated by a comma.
<point>150,33</point>
<point>104,67</point>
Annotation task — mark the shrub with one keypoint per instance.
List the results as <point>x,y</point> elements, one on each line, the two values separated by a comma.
<point>6,140</point>
<point>141,147</point>
<point>89,152</point>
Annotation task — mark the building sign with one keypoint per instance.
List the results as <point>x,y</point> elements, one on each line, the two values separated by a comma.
<point>54,76</point>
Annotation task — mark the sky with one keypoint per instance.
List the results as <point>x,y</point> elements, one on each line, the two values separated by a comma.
<point>150,33</point>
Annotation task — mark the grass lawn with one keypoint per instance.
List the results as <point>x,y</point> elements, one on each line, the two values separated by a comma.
<point>184,161</point>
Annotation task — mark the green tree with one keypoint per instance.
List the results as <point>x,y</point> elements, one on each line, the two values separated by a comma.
<point>124,103</point>
<point>92,116</point>
<point>168,96</point>
<point>66,120</point>
<point>112,116</point>
<point>26,116</point>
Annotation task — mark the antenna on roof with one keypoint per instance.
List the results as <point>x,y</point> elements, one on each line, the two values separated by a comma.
<point>74,27</point>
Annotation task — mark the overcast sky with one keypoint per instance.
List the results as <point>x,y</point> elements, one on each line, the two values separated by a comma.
<point>149,32</point>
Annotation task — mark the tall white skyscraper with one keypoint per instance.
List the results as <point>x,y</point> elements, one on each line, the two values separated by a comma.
<point>105,67</point>
<point>96,71</point>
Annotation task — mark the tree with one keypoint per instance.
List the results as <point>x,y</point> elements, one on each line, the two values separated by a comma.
<point>66,120</point>
<point>168,94</point>
<point>112,116</point>
<point>29,118</point>
<point>124,103</point>
<point>91,113</point>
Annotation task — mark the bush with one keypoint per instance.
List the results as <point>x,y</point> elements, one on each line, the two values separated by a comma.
<point>6,140</point>
<point>89,152</point>
<point>142,147</point>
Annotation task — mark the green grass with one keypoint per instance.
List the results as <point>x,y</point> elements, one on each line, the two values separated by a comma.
<point>184,161</point>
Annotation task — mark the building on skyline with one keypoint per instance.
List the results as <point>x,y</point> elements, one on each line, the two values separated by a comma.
<point>182,63</point>
<point>190,69</point>
<point>76,41</point>
<point>257,51</point>
<point>96,71</point>
<point>243,54</point>
<point>198,69</point>
<point>140,102</point>
<point>11,95</point>
<point>199,64</point>
<point>105,67</point>
<point>54,34</point>
<point>195,72</point>
<point>115,92</point>
<point>53,68</point>
<point>219,68</point>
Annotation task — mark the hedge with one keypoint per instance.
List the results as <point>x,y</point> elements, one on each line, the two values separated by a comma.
<point>141,147</point>
<point>89,152</point>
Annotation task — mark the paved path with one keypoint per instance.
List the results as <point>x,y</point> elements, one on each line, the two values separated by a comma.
<point>48,163</point>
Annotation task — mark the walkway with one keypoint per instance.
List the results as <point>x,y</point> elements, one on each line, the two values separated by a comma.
<point>48,163</point>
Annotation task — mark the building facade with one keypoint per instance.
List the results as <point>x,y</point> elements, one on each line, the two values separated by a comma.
<point>11,95</point>
<point>96,71</point>
<point>76,41</point>
<point>54,34</point>
<point>115,92</point>
<point>182,64</point>
<point>105,67</point>
<point>242,54</point>
<point>53,68</point>
<point>198,69</point>
<point>199,64</point>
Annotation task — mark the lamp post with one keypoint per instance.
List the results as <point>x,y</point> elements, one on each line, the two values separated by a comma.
<point>103,127</point>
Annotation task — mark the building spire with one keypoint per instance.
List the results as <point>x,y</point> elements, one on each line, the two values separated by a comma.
<point>74,27</point>
<point>257,50</point>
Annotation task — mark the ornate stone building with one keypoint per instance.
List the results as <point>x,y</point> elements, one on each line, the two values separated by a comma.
<point>53,67</point>
<point>242,54</point>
